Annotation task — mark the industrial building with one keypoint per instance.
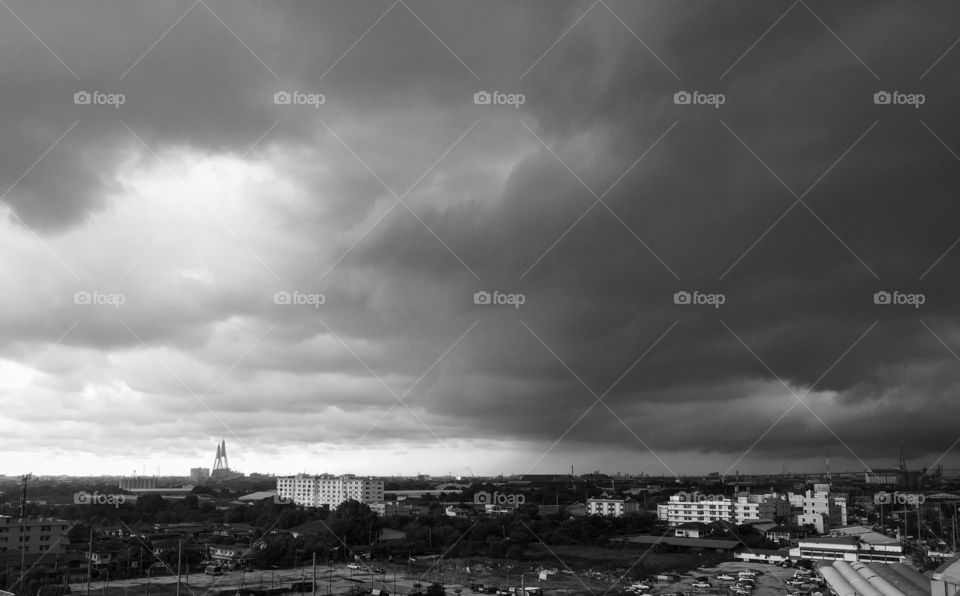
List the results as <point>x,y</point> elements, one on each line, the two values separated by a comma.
<point>328,490</point>
<point>851,544</point>
<point>946,579</point>
<point>858,579</point>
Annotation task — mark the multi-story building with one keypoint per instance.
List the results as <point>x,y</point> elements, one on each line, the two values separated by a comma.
<point>329,490</point>
<point>33,535</point>
<point>823,510</point>
<point>754,507</point>
<point>696,507</point>
<point>611,507</point>
<point>199,474</point>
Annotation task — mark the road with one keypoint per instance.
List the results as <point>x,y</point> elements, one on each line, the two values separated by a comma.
<point>338,578</point>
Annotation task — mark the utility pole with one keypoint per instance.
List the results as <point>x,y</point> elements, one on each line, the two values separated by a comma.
<point>179,552</point>
<point>313,580</point>
<point>89,559</point>
<point>23,542</point>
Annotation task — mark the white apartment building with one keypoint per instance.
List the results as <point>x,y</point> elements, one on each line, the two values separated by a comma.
<point>611,507</point>
<point>823,510</point>
<point>697,507</point>
<point>329,490</point>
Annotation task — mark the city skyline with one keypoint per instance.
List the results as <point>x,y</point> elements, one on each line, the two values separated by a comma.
<point>413,236</point>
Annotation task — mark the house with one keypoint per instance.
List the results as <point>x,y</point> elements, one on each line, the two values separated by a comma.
<point>237,555</point>
<point>722,527</point>
<point>785,533</point>
<point>455,511</point>
<point>236,532</point>
<point>693,530</point>
<point>391,535</point>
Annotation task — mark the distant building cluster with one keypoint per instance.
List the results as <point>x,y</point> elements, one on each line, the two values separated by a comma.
<point>328,490</point>
<point>138,482</point>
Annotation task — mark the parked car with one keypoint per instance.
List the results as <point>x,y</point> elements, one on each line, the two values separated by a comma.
<point>795,582</point>
<point>352,566</point>
<point>726,577</point>
<point>700,584</point>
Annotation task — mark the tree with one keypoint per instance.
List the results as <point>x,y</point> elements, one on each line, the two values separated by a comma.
<point>355,522</point>
<point>435,590</point>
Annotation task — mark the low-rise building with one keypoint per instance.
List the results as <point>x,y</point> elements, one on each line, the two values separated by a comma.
<point>857,544</point>
<point>237,555</point>
<point>692,530</point>
<point>611,507</point>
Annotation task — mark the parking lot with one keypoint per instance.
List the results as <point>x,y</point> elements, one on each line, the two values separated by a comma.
<point>769,581</point>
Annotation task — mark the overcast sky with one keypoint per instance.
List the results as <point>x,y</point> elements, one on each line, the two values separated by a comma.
<point>268,222</point>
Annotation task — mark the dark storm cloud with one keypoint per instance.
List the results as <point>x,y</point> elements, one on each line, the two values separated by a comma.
<point>712,206</point>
